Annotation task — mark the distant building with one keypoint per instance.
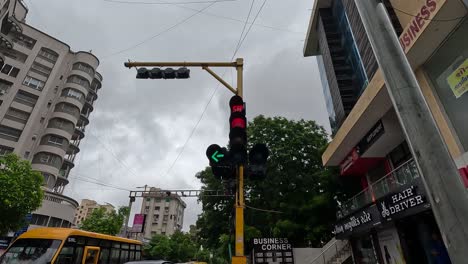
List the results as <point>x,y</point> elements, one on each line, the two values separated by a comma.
<point>87,207</point>
<point>47,92</point>
<point>164,213</point>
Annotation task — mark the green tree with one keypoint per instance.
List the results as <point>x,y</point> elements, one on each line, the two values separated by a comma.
<point>20,193</point>
<point>179,247</point>
<point>101,221</point>
<point>298,187</point>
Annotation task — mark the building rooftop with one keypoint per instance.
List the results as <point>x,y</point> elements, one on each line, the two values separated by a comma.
<point>311,40</point>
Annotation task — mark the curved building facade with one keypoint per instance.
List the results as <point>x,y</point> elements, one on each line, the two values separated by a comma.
<point>47,94</point>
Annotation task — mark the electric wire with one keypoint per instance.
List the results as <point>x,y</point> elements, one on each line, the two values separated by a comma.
<point>255,18</point>
<point>100,184</point>
<point>245,24</point>
<point>159,33</point>
<point>211,96</point>
<point>215,15</point>
<point>435,20</point>
<point>264,210</point>
<point>166,3</point>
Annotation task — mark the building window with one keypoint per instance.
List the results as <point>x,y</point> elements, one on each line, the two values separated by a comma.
<point>33,83</point>
<point>84,67</point>
<point>157,208</point>
<point>17,115</point>
<point>47,54</point>
<point>73,94</point>
<point>9,70</point>
<point>9,133</point>
<point>40,69</point>
<point>5,150</point>
<point>4,86</point>
<point>49,159</point>
<point>26,98</point>
<point>68,108</point>
<point>25,41</point>
<point>40,220</point>
<point>56,140</point>
<point>15,55</point>
<point>78,80</point>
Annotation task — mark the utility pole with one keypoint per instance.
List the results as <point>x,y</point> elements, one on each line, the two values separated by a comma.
<point>239,257</point>
<point>447,195</point>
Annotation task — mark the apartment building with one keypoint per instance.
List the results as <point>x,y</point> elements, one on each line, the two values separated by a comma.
<point>390,218</point>
<point>87,207</point>
<point>47,92</point>
<point>164,213</point>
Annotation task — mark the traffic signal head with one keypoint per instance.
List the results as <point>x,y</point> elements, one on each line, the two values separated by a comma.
<point>220,162</point>
<point>168,73</point>
<point>142,73</point>
<point>258,156</point>
<point>237,132</point>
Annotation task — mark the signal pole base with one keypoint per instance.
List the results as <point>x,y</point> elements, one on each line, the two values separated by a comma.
<point>239,260</point>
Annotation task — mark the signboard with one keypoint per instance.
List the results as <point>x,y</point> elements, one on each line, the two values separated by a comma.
<point>402,203</point>
<point>24,228</point>
<point>349,161</point>
<point>272,250</point>
<point>458,80</point>
<point>138,223</point>
<point>375,133</point>
<point>360,221</point>
<point>421,19</point>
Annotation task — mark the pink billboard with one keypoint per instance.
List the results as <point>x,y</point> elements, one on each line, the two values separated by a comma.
<point>138,223</point>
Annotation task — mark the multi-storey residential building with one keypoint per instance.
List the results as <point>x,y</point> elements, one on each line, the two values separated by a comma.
<point>164,213</point>
<point>87,207</point>
<point>47,92</point>
<point>390,220</point>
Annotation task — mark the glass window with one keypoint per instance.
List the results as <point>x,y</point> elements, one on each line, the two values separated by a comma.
<point>17,115</point>
<point>24,41</point>
<point>104,255</point>
<point>78,80</point>
<point>33,83</point>
<point>40,69</point>
<point>124,256</point>
<point>26,98</point>
<point>9,133</point>
<point>38,251</point>
<point>56,140</point>
<point>448,72</point>
<point>9,70</point>
<point>5,150</point>
<point>48,55</point>
<point>115,255</point>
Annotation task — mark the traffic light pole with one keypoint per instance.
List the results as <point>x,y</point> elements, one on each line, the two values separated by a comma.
<point>239,257</point>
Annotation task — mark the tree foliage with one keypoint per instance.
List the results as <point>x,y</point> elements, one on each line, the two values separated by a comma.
<point>101,221</point>
<point>180,247</point>
<point>20,192</point>
<point>297,185</point>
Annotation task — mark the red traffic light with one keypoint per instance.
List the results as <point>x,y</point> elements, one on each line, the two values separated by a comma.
<point>237,105</point>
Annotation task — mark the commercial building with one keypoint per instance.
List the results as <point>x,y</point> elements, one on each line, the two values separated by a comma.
<point>87,207</point>
<point>163,213</point>
<point>47,93</point>
<point>390,218</point>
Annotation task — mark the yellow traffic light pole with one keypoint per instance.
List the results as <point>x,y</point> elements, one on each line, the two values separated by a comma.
<point>239,257</point>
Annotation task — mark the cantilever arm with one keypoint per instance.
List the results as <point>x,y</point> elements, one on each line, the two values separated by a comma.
<point>219,79</point>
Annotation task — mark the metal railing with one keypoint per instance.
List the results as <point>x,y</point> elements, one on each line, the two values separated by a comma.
<point>331,251</point>
<point>403,174</point>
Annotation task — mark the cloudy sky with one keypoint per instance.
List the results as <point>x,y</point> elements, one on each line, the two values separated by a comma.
<point>140,127</point>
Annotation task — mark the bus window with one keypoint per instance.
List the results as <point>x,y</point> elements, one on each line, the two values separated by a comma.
<point>115,254</point>
<point>65,256</point>
<point>137,255</point>
<point>91,255</point>
<point>92,242</point>
<point>104,256</point>
<point>132,255</point>
<point>124,256</point>
<point>25,250</point>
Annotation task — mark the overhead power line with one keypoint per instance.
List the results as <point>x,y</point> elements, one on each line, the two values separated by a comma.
<point>166,3</point>
<point>264,210</point>
<point>99,183</point>
<point>245,25</point>
<point>211,14</point>
<point>253,22</point>
<point>161,32</point>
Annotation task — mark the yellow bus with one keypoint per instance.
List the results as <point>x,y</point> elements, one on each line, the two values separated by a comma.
<point>70,246</point>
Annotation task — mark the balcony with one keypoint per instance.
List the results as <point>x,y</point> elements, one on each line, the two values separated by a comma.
<point>400,176</point>
<point>5,42</point>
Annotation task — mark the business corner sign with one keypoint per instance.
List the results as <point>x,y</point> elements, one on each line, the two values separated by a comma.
<point>272,250</point>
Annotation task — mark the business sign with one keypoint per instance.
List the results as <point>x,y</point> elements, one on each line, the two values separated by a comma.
<point>419,22</point>
<point>401,203</point>
<point>360,221</point>
<point>349,161</point>
<point>272,250</point>
<point>458,80</point>
<point>375,133</point>
<point>138,223</point>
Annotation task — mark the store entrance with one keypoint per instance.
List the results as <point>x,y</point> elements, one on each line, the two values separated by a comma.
<point>421,240</point>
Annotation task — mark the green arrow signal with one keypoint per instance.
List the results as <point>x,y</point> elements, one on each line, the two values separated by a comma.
<point>217,155</point>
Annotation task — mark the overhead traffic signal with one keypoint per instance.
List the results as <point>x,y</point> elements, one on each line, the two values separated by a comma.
<point>258,156</point>
<point>220,163</point>
<point>238,132</point>
<point>167,73</point>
